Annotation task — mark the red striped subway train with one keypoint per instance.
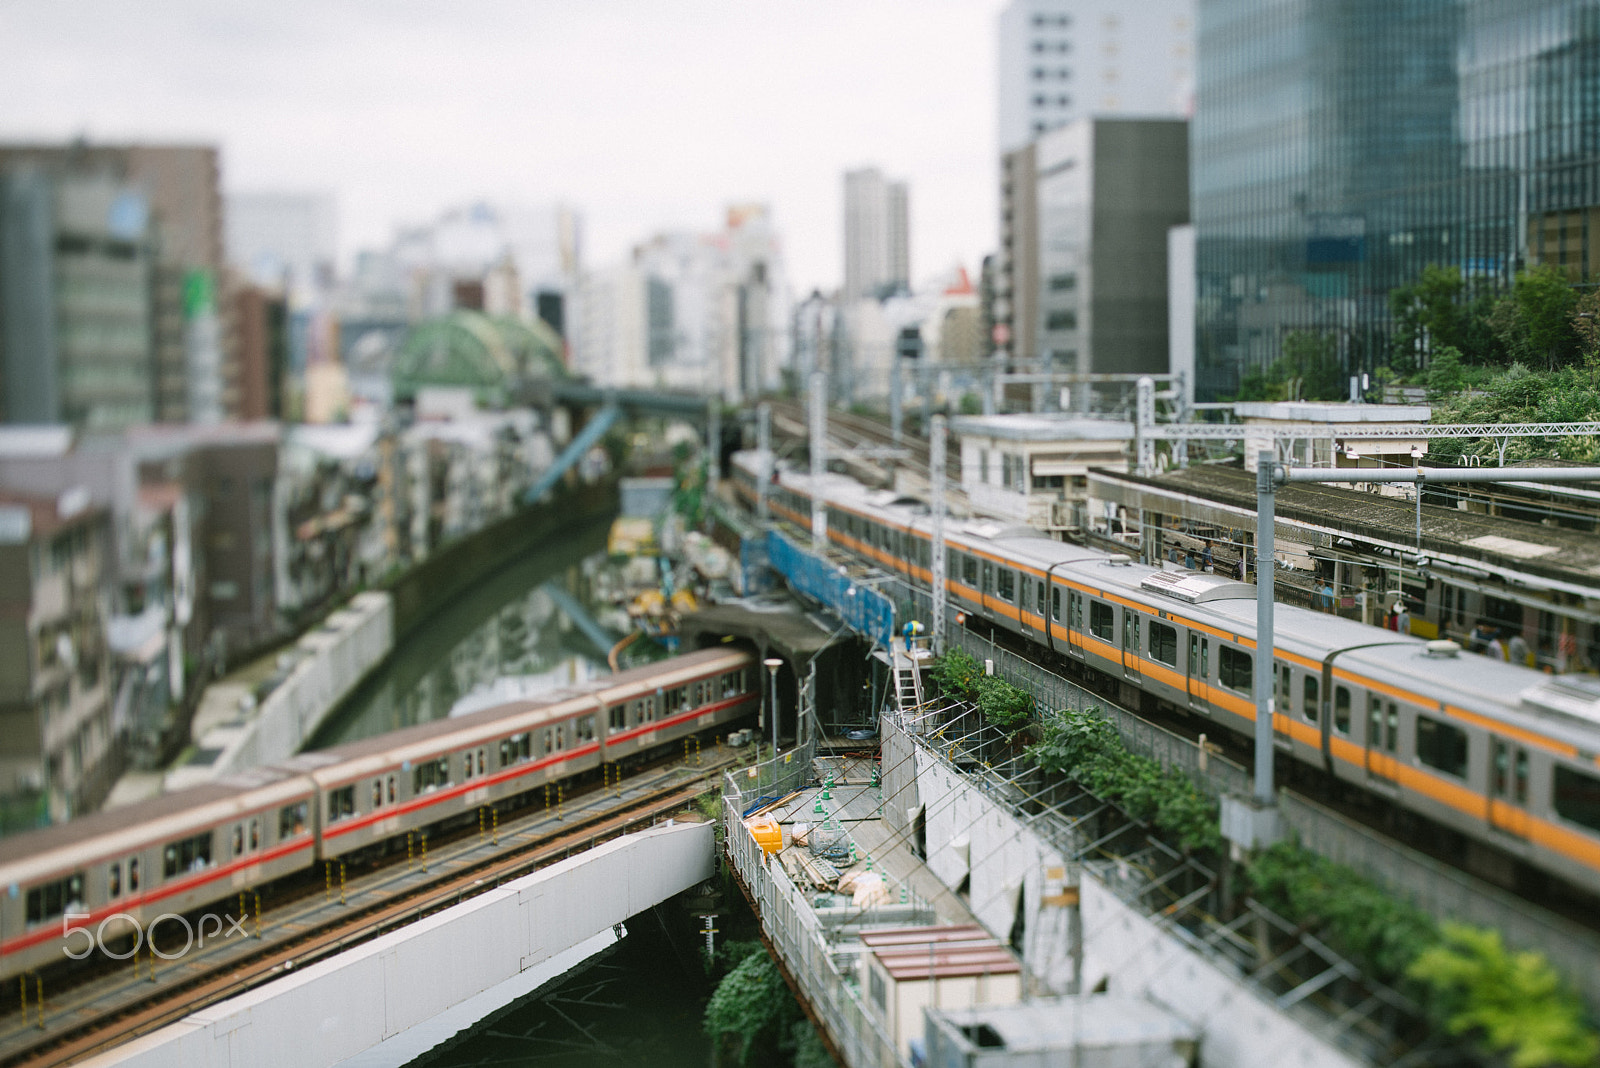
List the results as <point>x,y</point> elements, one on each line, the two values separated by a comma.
<point>196,847</point>
<point>1504,755</point>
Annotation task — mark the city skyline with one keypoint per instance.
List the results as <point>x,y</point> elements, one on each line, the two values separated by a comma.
<point>641,117</point>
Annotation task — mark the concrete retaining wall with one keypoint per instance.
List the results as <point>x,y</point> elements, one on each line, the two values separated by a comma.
<point>333,658</point>
<point>335,1009</point>
<point>1005,862</point>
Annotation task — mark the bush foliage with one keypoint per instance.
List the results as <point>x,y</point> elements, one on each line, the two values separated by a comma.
<point>958,673</point>
<point>1087,749</point>
<point>1511,1003</point>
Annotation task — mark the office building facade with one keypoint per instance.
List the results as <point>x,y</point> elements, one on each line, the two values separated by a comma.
<point>1340,146</point>
<point>1062,60</point>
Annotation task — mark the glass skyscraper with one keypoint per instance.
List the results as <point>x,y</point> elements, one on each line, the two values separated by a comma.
<point>1339,146</point>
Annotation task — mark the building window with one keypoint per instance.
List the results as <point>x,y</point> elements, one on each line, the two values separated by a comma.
<point>1443,746</point>
<point>1102,621</point>
<point>1164,644</point>
<point>1234,669</point>
<point>1061,320</point>
<point>1061,283</point>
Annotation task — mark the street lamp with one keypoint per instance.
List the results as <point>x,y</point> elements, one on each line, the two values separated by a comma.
<point>773,664</point>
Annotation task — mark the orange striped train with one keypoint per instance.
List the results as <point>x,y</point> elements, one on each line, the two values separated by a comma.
<point>1504,756</point>
<point>193,848</point>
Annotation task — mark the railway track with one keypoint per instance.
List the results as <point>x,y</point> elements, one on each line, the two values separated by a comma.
<point>100,1015</point>
<point>848,432</point>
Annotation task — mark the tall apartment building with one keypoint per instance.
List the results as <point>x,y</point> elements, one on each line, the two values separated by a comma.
<point>1341,146</point>
<point>877,241</point>
<point>1060,61</point>
<point>1066,59</point>
<point>194,377</point>
<point>1108,190</point>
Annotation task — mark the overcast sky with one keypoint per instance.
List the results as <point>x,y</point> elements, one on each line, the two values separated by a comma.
<point>644,115</point>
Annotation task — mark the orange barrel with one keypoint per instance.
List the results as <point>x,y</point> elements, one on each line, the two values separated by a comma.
<point>766,832</point>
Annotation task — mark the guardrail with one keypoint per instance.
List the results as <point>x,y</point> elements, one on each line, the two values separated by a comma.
<point>797,936</point>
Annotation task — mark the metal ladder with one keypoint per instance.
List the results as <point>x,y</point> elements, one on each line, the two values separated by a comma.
<point>907,682</point>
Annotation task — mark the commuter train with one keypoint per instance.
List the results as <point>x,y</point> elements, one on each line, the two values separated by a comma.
<point>1499,752</point>
<point>204,845</point>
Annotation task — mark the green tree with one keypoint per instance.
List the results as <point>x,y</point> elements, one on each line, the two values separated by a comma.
<point>1445,378</point>
<point>1308,369</point>
<point>1003,704</point>
<point>1426,314</point>
<point>1534,320</point>
<point>958,673</point>
<point>1515,1003</point>
<point>749,1006</point>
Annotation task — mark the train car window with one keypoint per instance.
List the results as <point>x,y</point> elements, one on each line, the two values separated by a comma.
<point>586,728</point>
<point>114,880</point>
<point>1205,658</point>
<point>1499,764</point>
<point>1040,585</point>
<point>1285,687</point>
<point>1308,698</point>
<point>466,762</point>
<point>549,741</point>
<point>255,835</point>
<point>1164,643</point>
<point>377,793</point>
<point>561,737</point>
<point>238,839</point>
<point>133,875</point>
<point>1341,710</point>
<point>988,577</point>
<point>1391,741</point>
<point>616,719</point>
<point>391,789</point>
<point>291,820</point>
<point>1055,603</point>
<point>1077,611</point>
<point>1235,669</point>
<point>518,748</point>
<point>969,570</point>
<point>53,898</point>
<point>1577,797</point>
<point>1374,721</point>
<point>1102,621</point>
<point>1442,745</point>
<point>190,854</point>
<point>1130,631</point>
<point>1522,777</point>
<point>480,761</point>
<point>674,700</point>
<point>1006,584</point>
<point>341,803</point>
<point>650,705</point>
<point>430,775</point>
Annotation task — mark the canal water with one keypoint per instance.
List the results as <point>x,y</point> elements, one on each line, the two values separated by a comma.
<point>512,625</point>
<point>642,1001</point>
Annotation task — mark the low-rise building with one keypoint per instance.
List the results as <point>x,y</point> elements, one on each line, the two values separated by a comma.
<point>59,746</point>
<point>1033,469</point>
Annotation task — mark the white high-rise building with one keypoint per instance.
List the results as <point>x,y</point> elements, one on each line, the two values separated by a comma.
<point>877,228</point>
<point>1068,59</point>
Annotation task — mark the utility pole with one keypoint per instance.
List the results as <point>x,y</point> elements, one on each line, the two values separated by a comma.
<point>819,459</point>
<point>768,463</point>
<point>936,457</point>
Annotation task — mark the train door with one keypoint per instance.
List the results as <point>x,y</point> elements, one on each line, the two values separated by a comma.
<point>1075,623</point>
<point>1508,787</point>
<point>1198,667</point>
<point>1055,626</point>
<point>1025,604</point>
<point>1383,738</point>
<point>1130,644</point>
